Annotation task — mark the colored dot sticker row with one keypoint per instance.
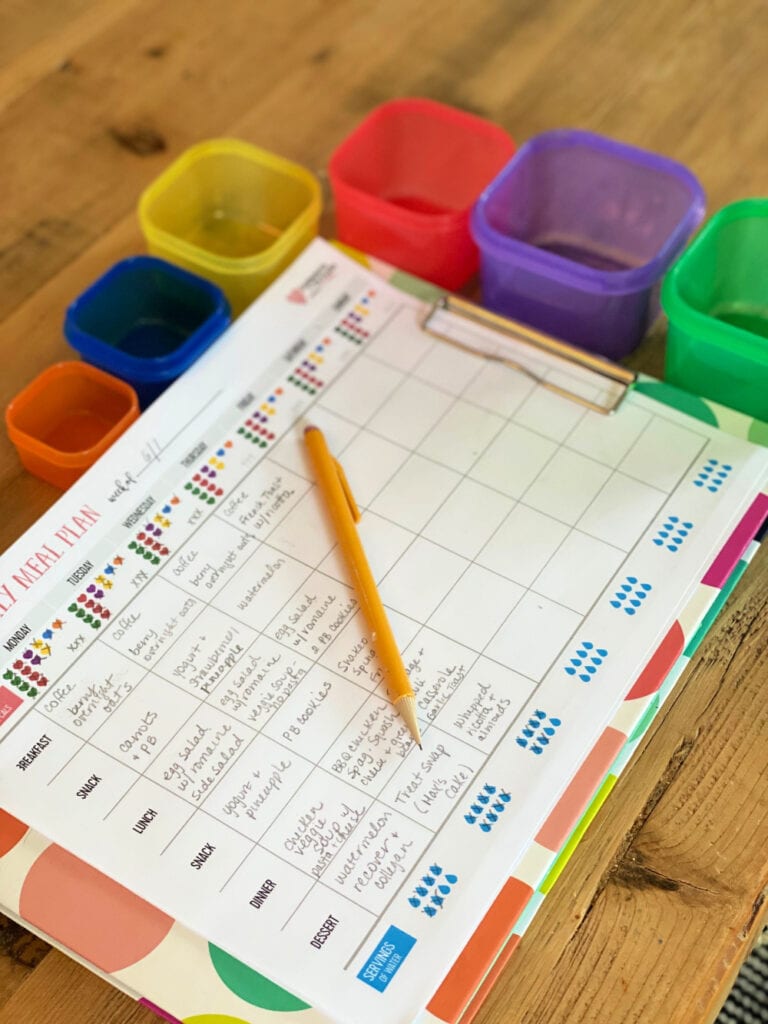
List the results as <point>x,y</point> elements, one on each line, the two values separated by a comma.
<point>306,376</point>
<point>256,428</point>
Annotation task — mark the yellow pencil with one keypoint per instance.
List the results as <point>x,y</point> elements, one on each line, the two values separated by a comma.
<point>344,513</point>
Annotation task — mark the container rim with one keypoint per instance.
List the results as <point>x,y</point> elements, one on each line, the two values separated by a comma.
<point>570,272</point>
<point>451,220</point>
<point>686,316</point>
<point>203,257</point>
<point>85,456</point>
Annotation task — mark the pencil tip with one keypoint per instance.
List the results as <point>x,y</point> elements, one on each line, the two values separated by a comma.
<point>406,705</point>
<point>420,747</point>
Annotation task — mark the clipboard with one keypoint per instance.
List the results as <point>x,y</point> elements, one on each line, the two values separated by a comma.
<point>563,369</point>
<point>449,1008</point>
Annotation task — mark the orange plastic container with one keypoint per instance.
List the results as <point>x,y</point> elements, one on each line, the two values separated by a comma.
<point>66,418</point>
<point>404,182</point>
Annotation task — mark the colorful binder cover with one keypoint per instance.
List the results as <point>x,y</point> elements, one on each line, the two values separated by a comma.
<point>172,970</point>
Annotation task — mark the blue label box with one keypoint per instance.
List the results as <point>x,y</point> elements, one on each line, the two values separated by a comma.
<point>386,959</point>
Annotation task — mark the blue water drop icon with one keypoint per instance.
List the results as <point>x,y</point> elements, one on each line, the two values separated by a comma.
<point>427,879</point>
<point>444,889</point>
<point>493,818</point>
<point>657,542</point>
<point>485,826</point>
<point>429,911</point>
<point>674,519</point>
<point>713,489</point>
<point>632,580</point>
<point>435,869</point>
<point>688,526</point>
<point>602,652</point>
<point>548,730</point>
<point>489,789</point>
<point>555,722</point>
<point>671,547</point>
<point>522,743</point>
<point>414,902</point>
<point>570,671</point>
<point>626,587</point>
<point>498,808</point>
<point>576,661</point>
<point>697,483</point>
<point>482,798</point>
<point>420,890</point>
<point>588,645</point>
<point>542,740</point>
<point>475,810</point>
<point>540,714</point>
<point>630,611</point>
<point>451,879</point>
<point>584,679</point>
<point>528,732</point>
<point>536,750</point>
<point>614,604</point>
<point>470,819</point>
<point>646,586</point>
<point>506,797</point>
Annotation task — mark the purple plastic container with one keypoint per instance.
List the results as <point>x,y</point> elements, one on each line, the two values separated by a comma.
<point>576,232</point>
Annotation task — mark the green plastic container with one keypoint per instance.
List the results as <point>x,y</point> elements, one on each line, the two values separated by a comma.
<point>716,299</point>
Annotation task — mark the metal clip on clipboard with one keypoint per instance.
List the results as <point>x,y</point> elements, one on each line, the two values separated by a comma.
<point>580,376</point>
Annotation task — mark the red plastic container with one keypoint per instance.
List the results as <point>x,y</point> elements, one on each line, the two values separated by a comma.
<point>66,418</point>
<point>404,182</point>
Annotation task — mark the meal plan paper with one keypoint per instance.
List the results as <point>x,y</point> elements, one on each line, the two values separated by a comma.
<point>189,697</point>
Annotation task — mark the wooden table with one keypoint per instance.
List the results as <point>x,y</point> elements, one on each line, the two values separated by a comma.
<point>661,902</point>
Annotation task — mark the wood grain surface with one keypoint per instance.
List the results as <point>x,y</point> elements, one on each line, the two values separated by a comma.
<point>663,898</point>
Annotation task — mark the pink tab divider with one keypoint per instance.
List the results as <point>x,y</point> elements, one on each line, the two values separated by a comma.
<point>737,543</point>
<point>160,1012</point>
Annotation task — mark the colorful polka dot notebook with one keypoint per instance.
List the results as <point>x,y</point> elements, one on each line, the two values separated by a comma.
<point>195,709</point>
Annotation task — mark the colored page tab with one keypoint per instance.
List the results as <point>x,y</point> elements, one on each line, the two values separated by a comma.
<point>480,952</point>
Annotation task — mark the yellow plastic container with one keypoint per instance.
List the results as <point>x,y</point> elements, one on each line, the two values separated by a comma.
<point>233,213</point>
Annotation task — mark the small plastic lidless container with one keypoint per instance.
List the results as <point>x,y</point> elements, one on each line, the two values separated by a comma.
<point>576,233</point>
<point>716,299</point>
<point>405,180</point>
<point>233,213</point>
<point>146,321</point>
<point>66,418</point>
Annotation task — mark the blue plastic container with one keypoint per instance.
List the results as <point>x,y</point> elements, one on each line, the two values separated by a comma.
<point>146,321</point>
